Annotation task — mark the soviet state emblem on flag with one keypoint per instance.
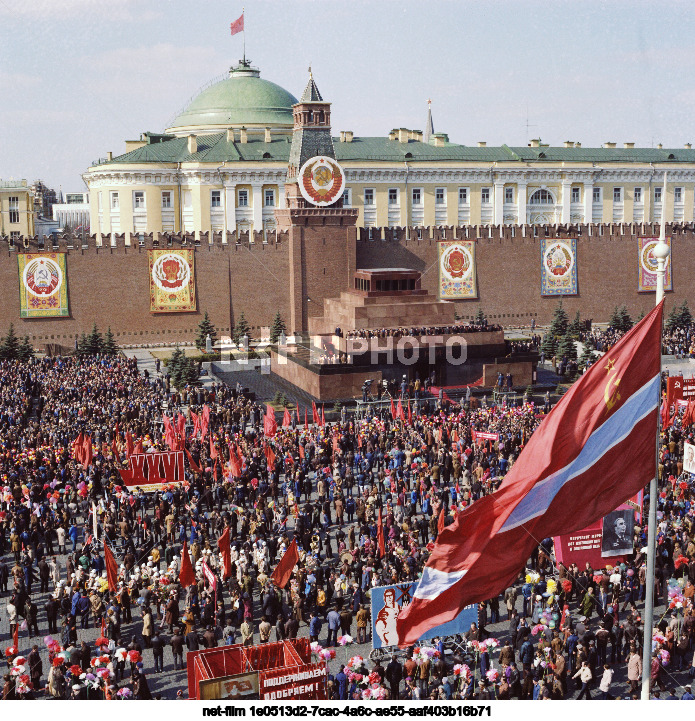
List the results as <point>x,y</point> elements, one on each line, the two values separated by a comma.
<point>172,280</point>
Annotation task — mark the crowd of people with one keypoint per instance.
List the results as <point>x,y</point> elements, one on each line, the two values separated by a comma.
<point>418,332</point>
<point>324,486</point>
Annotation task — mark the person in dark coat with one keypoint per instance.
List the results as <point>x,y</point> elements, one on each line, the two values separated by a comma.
<point>209,638</point>
<point>193,640</point>
<point>394,674</point>
<point>35,667</point>
<point>158,644</point>
<point>141,689</point>
<point>176,642</point>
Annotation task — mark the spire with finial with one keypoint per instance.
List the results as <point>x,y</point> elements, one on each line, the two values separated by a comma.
<point>311,93</point>
<point>429,127</point>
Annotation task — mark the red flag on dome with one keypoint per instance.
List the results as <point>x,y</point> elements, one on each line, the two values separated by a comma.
<point>594,450</point>
<point>186,575</point>
<point>238,25</point>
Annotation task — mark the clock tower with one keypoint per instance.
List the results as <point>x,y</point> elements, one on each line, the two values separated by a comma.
<point>321,232</point>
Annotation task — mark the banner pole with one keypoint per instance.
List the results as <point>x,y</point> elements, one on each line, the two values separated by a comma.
<point>661,253</point>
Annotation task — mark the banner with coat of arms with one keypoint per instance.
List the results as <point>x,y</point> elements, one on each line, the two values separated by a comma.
<point>172,280</point>
<point>559,266</point>
<point>647,266</point>
<point>457,272</point>
<point>43,285</point>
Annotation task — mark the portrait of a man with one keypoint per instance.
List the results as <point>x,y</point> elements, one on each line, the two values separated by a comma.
<point>618,527</point>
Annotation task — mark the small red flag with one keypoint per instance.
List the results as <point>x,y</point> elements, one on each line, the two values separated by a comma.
<point>270,425</point>
<point>270,458</point>
<point>186,575</point>
<point>306,423</point>
<point>238,25</point>
<point>78,448</point>
<point>380,536</point>
<point>111,569</point>
<point>194,466</point>
<point>301,451</point>
<point>139,447</point>
<point>204,421</point>
<point>129,444</point>
<point>87,451</point>
<point>225,552</point>
<point>323,417</point>
<point>315,419</point>
<point>399,410</point>
<point>196,423</point>
<point>393,410</point>
<point>286,419</point>
<point>283,571</point>
<point>213,450</point>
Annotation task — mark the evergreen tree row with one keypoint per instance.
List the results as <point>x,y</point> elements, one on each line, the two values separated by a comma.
<point>95,343</point>
<point>14,348</point>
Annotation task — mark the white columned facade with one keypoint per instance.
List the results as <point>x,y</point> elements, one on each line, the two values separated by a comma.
<point>521,200</point>
<point>257,189</point>
<point>566,197</point>
<point>498,200</point>
<point>588,202</point>
<point>229,209</point>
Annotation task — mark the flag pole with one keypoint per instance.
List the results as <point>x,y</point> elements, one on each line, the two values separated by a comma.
<point>661,252</point>
<point>243,32</point>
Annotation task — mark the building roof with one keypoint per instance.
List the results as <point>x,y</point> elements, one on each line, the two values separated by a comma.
<point>215,148</point>
<point>244,98</point>
<point>311,93</point>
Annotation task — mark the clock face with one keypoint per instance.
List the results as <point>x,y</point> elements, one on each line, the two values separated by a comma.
<point>321,181</point>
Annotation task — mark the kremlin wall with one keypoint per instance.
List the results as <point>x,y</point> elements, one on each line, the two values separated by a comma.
<point>109,284</point>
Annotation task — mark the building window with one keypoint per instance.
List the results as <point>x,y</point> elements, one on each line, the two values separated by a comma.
<point>463,196</point>
<point>575,195</point>
<point>657,195</point>
<point>14,236</point>
<point>138,199</point>
<point>678,195</point>
<point>216,199</point>
<point>243,199</point>
<point>347,198</point>
<point>597,195</point>
<point>485,195</point>
<point>269,198</point>
<point>542,197</point>
<point>638,195</point>
<point>393,196</point>
<point>166,199</point>
<point>509,195</point>
<point>617,195</point>
<point>417,196</point>
<point>439,196</point>
<point>370,233</point>
<point>14,208</point>
<point>115,204</point>
<point>369,196</point>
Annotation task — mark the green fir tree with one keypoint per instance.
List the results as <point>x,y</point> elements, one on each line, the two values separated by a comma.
<point>575,327</point>
<point>278,328</point>
<point>549,345</point>
<point>9,349</point>
<point>25,350</point>
<point>560,321</point>
<point>588,355</point>
<point>95,342</point>
<point>479,317</point>
<point>241,329</point>
<point>566,348</point>
<point>624,319</point>
<point>110,346</point>
<point>205,329</point>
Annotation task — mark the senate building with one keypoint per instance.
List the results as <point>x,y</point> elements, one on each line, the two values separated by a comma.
<point>221,165</point>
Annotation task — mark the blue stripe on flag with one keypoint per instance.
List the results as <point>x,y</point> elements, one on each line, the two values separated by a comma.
<point>618,427</point>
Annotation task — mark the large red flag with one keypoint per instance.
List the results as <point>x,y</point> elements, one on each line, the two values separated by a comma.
<point>78,448</point>
<point>665,419</point>
<point>441,521</point>
<point>139,447</point>
<point>306,423</point>
<point>238,25</point>
<point>393,410</point>
<point>270,425</point>
<point>181,425</point>
<point>270,457</point>
<point>286,419</point>
<point>111,569</point>
<point>226,553</point>
<point>213,450</point>
<point>399,410</point>
<point>283,571</point>
<point>186,575</point>
<point>315,418</point>
<point>234,463</point>
<point>593,451</point>
<point>196,424</point>
<point>129,444</point>
<point>380,536</point>
<point>323,417</point>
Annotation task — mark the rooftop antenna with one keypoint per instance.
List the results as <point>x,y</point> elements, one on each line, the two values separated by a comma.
<point>528,125</point>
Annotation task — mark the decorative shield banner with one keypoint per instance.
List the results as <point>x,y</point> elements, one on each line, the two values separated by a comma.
<point>559,266</point>
<point>172,280</point>
<point>321,181</point>
<point>647,266</point>
<point>43,285</point>
<point>457,273</point>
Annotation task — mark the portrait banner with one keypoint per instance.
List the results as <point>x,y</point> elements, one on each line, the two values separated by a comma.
<point>457,272</point>
<point>646,268</point>
<point>559,266</point>
<point>172,280</point>
<point>43,285</point>
<point>387,602</point>
<point>689,458</point>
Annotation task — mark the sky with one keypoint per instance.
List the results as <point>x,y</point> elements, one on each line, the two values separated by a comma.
<point>80,77</point>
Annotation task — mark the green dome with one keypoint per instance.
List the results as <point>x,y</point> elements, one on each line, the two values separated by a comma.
<point>241,99</point>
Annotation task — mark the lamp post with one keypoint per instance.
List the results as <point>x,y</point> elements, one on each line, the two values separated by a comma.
<point>661,252</point>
